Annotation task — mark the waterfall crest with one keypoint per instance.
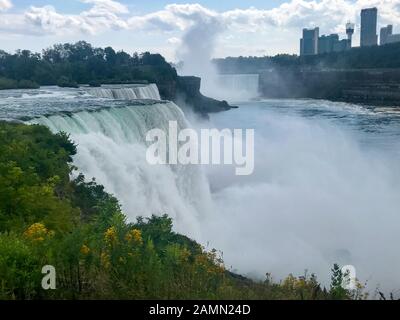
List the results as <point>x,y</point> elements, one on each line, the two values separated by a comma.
<point>127,93</point>
<point>112,148</point>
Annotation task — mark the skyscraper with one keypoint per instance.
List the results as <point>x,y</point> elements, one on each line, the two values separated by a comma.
<point>326,44</point>
<point>309,42</point>
<point>369,19</point>
<point>385,33</point>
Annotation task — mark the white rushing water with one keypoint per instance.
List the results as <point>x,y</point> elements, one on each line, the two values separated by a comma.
<point>112,148</point>
<point>325,190</point>
<point>127,93</point>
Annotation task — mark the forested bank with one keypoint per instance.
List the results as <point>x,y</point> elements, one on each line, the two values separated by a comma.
<point>80,63</point>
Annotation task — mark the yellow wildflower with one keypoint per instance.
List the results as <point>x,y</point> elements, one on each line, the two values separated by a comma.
<point>38,232</point>
<point>135,236</point>
<point>201,260</point>
<point>85,249</point>
<point>295,283</point>
<point>289,282</point>
<point>105,260</point>
<point>110,235</point>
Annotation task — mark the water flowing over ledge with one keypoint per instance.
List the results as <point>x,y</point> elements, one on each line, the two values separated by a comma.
<point>17,105</point>
<point>112,148</point>
<point>109,126</point>
<point>127,93</point>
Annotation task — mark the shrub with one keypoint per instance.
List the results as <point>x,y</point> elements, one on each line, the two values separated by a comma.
<point>19,269</point>
<point>65,82</point>
<point>27,84</point>
<point>95,83</point>
<point>8,84</point>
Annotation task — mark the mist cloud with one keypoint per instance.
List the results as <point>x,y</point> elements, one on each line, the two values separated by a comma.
<point>317,197</point>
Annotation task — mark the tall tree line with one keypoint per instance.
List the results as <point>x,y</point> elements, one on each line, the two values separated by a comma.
<point>82,63</point>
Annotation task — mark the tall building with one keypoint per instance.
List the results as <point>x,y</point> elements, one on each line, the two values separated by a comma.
<point>326,44</point>
<point>369,19</point>
<point>387,35</point>
<point>393,38</point>
<point>341,45</point>
<point>309,42</point>
<point>331,43</point>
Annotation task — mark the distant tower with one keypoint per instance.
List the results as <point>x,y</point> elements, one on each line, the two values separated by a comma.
<point>349,32</point>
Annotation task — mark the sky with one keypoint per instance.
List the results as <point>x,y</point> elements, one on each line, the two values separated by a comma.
<point>256,28</point>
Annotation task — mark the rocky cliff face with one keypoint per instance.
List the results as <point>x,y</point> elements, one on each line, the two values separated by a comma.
<point>368,86</point>
<point>187,90</point>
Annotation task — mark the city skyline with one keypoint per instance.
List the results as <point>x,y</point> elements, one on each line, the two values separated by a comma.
<point>256,28</point>
<point>312,43</point>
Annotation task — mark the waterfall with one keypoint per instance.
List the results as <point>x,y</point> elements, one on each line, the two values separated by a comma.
<point>231,87</point>
<point>127,93</point>
<point>112,148</point>
<point>240,86</point>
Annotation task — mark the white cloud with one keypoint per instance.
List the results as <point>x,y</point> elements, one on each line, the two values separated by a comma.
<point>49,21</point>
<point>102,6</point>
<point>102,16</point>
<point>330,15</point>
<point>173,20</point>
<point>174,41</point>
<point>175,17</point>
<point>5,5</point>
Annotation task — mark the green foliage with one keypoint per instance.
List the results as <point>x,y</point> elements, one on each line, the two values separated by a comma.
<point>20,276</point>
<point>65,82</point>
<point>93,201</point>
<point>27,84</point>
<point>337,290</point>
<point>339,282</point>
<point>14,84</point>
<point>67,64</point>
<point>34,172</point>
<point>8,84</point>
